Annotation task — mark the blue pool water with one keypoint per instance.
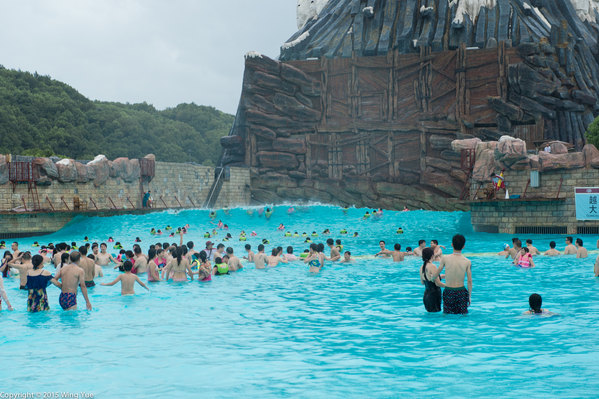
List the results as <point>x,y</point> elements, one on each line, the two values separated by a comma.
<point>357,330</point>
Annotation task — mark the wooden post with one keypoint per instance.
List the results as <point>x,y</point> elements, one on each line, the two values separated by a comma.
<point>65,203</point>
<point>112,202</point>
<point>93,202</point>
<point>130,203</point>
<point>50,202</point>
<point>164,203</point>
<point>24,203</point>
<point>190,200</point>
<point>177,199</point>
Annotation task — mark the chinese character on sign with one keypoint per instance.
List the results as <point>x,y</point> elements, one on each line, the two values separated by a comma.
<point>593,200</point>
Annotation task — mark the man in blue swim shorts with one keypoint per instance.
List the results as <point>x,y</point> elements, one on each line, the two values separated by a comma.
<point>71,276</point>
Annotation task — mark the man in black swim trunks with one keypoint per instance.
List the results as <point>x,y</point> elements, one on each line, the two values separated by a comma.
<point>456,298</point>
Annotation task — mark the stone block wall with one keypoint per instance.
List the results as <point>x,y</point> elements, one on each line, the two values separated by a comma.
<point>188,183</point>
<point>542,206</point>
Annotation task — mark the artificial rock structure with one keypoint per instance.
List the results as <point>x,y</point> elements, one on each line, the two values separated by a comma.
<point>368,95</point>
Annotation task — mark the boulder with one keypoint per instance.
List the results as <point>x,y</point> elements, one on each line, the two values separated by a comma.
<point>591,155</point>
<point>484,166</point>
<point>557,147</point>
<point>277,160</point>
<point>67,171</point>
<point>573,160</point>
<point>82,176</point>
<point>294,146</point>
<point>486,145</point>
<point>118,166</point>
<point>534,162</point>
<point>511,145</point>
<point>99,168</point>
<point>132,171</point>
<point>46,167</point>
<point>465,144</point>
<point>510,151</point>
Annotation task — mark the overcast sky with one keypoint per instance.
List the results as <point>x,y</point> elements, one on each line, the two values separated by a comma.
<point>163,52</point>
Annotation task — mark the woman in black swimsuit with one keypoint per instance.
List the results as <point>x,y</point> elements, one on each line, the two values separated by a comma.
<point>432,291</point>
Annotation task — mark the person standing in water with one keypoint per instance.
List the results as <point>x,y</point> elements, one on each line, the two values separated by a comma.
<point>456,298</point>
<point>581,252</point>
<point>260,258</point>
<point>552,251</point>
<point>127,280</point>
<point>570,248</point>
<point>432,290</point>
<point>38,280</point>
<point>335,254</point>
<point>178,267</point>
<point>3,295</point>
<point>315,260</point>
<point>71,276</point>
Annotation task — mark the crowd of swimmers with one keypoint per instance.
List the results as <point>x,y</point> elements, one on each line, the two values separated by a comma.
<point>76,267</point>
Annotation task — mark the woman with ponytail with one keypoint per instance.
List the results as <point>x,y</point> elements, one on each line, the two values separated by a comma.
<point>432,291</point>
<point>177,268</point>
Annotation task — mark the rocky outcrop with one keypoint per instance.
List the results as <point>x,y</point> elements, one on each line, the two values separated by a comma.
<point>97,171</point>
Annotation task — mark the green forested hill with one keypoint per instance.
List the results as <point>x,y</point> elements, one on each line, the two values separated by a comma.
<point>43,117</point>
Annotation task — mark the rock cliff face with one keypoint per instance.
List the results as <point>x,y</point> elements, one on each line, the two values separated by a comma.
<point>368,96</point>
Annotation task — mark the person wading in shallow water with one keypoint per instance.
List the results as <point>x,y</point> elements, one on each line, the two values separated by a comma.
<point>456,298</point>
<point>432,292</point>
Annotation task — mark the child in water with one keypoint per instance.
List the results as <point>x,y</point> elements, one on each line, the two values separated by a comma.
<point>525,259</point>
<point>535,302</point>
<point>127,280</point>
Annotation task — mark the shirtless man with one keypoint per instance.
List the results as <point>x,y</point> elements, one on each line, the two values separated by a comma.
<point>552,251</point>
<point>71,276</point>
<point>335,254</point>
<point>421,246</point>
<point>456,298</point>
<point>220,251</point>
<point>384,252</point>
<point>60,249</point>
<point>141,262</point>
<point>397,255</point>
<point>570,248</point>
<point>88,266</point>
<point>260,258</point>
<point>581,252</point>
<point>347,258</point>
<point>234,262</point>
<point>127,280</point>
<point>275,258</point>
<point>15,250</point>
<point>250,256</point>
<point>103,258</point>
<point>531,249</point>
<point>23,265</point>
<point>514,252</point>
<point>437,249</point>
